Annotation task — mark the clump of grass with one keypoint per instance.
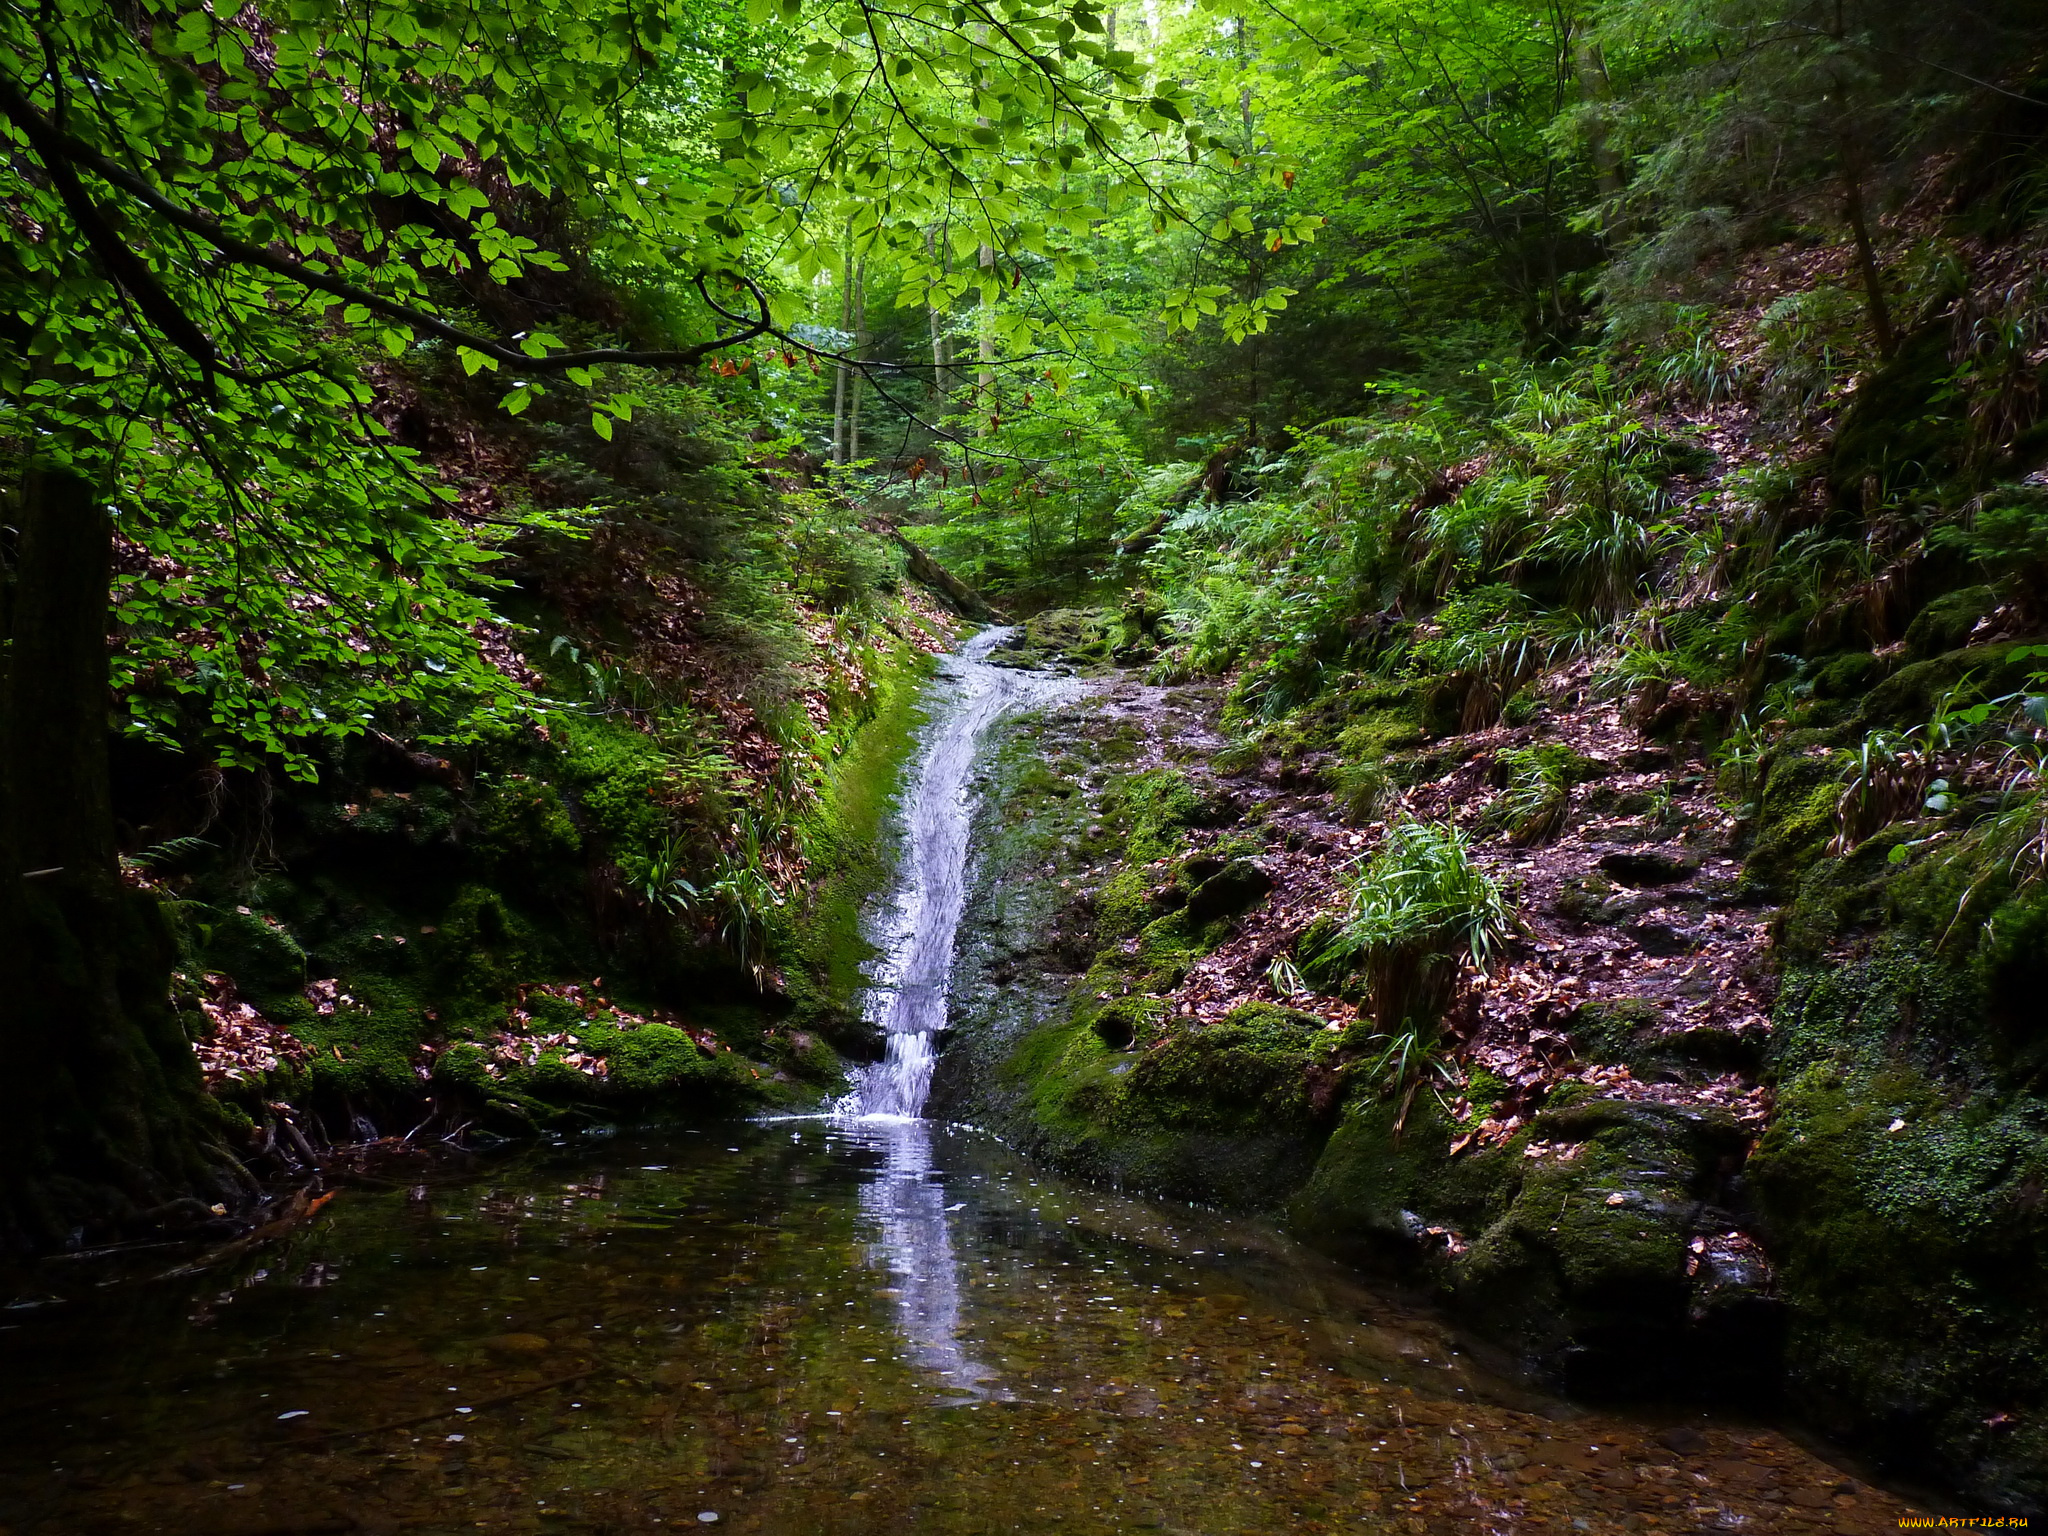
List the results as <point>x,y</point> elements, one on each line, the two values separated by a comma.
<point>1890,775</point>
<point>1363,787</point>
<point>1418,910</point>
<point>1539,791</point>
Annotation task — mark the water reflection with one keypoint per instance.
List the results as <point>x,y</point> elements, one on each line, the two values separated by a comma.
<point>906,1201</point>
<point>625,1336</point>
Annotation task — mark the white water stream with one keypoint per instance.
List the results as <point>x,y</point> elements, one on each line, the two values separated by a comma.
<point>915,934</point>
<point>917,930</point>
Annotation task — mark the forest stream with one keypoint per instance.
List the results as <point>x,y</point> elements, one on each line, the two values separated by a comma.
<point>859,1322</point>
<point>1051,766</point>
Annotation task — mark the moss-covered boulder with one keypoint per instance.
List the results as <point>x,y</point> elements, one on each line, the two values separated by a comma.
<point>1902,1182</point>
<point>1218,1113</point>
<point>1078,640</point>
<point>1594,1242</point>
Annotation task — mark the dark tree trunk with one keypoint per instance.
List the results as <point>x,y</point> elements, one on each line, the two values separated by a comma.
<point>105,1129</point>
<point>1866,259</point>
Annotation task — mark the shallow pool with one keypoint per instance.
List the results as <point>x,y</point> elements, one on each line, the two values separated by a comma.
<point>809,1327</point>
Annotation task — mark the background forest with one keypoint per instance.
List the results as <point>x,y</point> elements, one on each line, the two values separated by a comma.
<point>486,480</point>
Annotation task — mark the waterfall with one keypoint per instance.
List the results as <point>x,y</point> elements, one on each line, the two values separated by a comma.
<point>917,929</point>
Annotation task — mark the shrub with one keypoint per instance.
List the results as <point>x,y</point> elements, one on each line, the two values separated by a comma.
<point>1419,908</point>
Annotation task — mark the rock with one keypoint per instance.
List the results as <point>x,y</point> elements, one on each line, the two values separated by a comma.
<point>1683,1440</point>
<point>1660,939</point>
<point>517,1344</point>
<point>1229,891</point>
<point>1650,866</point>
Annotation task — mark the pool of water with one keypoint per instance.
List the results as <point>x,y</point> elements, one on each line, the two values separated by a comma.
<point>817,1327</point>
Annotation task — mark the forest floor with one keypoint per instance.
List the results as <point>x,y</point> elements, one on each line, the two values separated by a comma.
<point>1635,899</point>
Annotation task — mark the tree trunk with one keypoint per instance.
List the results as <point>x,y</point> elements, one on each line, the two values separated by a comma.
<point>1598,88</point>
<point>942,346</point>
<point>1866,257</point>
<point>841,449</point>
<point>105,1131</point>
<point>985,345</point>
<point>857,292</point>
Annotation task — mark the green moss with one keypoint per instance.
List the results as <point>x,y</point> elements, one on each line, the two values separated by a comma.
<point>620,777</point>
<point>1846,677</point>
<point>847,839</point>
<point>1908,1220</point>
<point>1945,623</point>
<point>257,950</point>
<point>1218,1113</point>
<point>1080,639</point>
<point>1910,695</point>
<point>1157,808</point>
<point>1612,1029</point>
<point>1795,820</point>
<point>520,817</point>
<point>657,1059</point>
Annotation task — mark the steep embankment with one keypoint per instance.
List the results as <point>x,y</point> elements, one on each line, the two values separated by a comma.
<point>638,894</point>
<point>1722,1115</point>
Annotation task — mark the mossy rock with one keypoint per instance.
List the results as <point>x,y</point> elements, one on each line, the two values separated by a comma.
<point>1578,1259</point>
<point>1847,677</point>
<point>1235,887</point>
<point>1795,820</point>
<point>1909,1223</point>
<point>1911,695</point>
<point>1613,1029</point>
<point>1217,1114</point>
<point>253,949</point>
<point>1077,640</point>
<point>1945,624</point>
<point>1246,1072</point>
<point>1636,1033</point>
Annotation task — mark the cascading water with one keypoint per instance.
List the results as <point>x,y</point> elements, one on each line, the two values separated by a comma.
<point>916,934</point>
<point>906,1200</point>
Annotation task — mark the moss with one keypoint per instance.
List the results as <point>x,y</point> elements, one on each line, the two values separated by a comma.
<point>1612,1029</point>
<point>847,839</point>
<point>1795,820</point>
<point>1246,1073</point>
<point>519,817</point>
<point>1910,695</point>
<point>1124,903</point>
<point>1219,1113</point>
<point>1158,808</point>
<point>657,1059</point>
<point>619,777</point>
<point>257,950</point>
<point>1945,623</point>
<point>1578,1257</point>
<point>1074,639</point>
<point>1847,676</point>
<point>1230,890</point>
<point>1908,1220</point>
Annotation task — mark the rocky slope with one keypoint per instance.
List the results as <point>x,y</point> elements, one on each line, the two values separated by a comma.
<point>1720,1118</point>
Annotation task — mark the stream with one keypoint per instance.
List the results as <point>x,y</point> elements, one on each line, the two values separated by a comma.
<point>861,1322</point>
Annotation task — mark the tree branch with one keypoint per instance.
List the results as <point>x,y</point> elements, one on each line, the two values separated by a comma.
<point>61,155</point>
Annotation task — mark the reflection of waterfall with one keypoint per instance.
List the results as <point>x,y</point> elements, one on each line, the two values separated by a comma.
<point>916,935</point>
<point>907,1203</point>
